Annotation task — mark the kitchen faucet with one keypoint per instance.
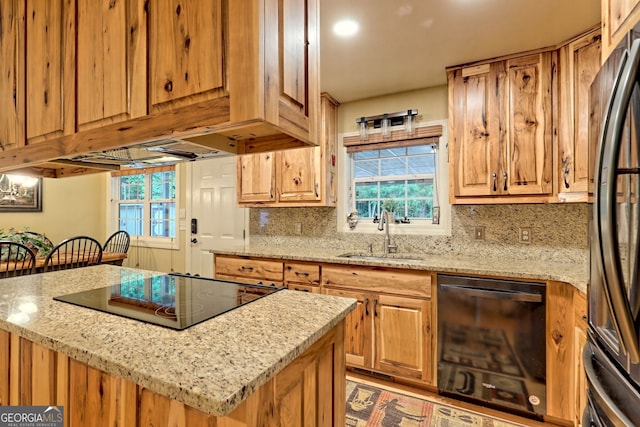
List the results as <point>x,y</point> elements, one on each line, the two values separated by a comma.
<point>388,246</point>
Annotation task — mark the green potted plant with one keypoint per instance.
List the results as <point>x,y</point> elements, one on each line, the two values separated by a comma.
<point>38,243</point>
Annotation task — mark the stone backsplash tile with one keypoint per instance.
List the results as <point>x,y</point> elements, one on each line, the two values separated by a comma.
<point>559,232</point>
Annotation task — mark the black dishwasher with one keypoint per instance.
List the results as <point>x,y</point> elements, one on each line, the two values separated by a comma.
<point>491,343</point>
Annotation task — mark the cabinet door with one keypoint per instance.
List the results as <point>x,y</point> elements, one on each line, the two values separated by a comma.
<point>292,92</point>
<point>402,337</point>
<point>256,177</point>
<point>473,117</point>
<point>50,88</point>
<point>358,328</point>
<point>12,97</point>
<point>111,62</point>
<point>299,174</point>
<point>526,154</point>
<point>186,52</point>
<point>618,16</point>
<point>579,64</point>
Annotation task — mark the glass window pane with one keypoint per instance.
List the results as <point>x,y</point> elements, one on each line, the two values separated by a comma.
<point>393,152</point>
<point>369,154</point>
<point>132,187</point>
<point>163,219</point>
<point>366,190</point>
<point>393,166</point>
<point>367,208</point>
<point>420,208</point>
<point>130,218</point>
<point>421,165</point>
<point>366,168</point>
<point>420,149</point>
<point>392,189</point>
<point>163,185</point>
<point>419,188</point>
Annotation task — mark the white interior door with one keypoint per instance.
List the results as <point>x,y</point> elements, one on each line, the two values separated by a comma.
<point>220,223</point>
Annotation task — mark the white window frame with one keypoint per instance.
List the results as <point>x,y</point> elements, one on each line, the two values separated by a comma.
<point>416,227</point>
<point>146,240</point>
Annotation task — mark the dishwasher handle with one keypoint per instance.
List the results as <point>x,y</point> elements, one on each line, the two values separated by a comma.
<point>510,295</point>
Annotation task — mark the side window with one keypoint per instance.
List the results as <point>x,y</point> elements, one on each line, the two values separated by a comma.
<point>145,204</point>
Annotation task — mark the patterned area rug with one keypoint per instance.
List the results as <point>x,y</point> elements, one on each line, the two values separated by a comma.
<point>369,406</point>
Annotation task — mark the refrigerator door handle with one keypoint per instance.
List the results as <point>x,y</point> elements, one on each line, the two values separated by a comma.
<point>598,392</point>
<point>606,238</point>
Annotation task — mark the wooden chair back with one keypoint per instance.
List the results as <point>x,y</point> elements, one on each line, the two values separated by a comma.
<point>117,242</point>
<point>16,259</point>
<point>80,251</point>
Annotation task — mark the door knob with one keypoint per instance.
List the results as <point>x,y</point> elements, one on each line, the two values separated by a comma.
<point>194,240</point>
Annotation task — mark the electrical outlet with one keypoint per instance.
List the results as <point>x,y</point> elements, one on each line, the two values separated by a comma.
<point>525,235</point>
<point>297,228</point>
<point>478,233</point>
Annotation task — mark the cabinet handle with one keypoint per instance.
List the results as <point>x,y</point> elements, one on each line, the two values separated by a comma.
<point>271,192</point>
<point>316,189</point>
<point>375,307</point>
<point>366,306</point>
<point>244,268</point>
<point>494,176</point>
<point>301,273</point>
<point>566,175</point>
<point>504,175</point>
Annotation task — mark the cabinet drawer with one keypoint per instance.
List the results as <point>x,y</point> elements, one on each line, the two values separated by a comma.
<point>303,288</point>
<point>250,281</point>
<point>250,268</point>
<point>373,279</point>
<point>302,272</point>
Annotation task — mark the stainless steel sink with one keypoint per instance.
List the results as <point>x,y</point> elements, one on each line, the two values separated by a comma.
<point>396,258</point>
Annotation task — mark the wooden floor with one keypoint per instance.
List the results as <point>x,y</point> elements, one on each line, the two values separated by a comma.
<point>423,394</point>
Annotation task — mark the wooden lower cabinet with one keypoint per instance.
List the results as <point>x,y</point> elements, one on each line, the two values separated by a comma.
<point>386,333</point>
<point>302,276</point>
<point>308,392</point>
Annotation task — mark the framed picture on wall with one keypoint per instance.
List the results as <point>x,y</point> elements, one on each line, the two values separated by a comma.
<point>19,193</point>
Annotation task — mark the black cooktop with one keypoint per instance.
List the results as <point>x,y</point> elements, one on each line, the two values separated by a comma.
<point>173,301</point>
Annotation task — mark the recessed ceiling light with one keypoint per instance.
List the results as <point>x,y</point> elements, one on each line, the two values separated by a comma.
<point>345,28</point>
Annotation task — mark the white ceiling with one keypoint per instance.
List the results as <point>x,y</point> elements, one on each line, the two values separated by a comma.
<point>406,44</point>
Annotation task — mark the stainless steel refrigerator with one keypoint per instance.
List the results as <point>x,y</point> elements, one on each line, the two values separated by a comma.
<point>612,354</point>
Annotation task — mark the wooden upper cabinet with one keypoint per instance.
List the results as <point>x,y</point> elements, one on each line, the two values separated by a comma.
<point>256,177</point>
<point>298,177</point>
<point>50,86</point>
<point>527,159</point>
<point>579,62</point>
<point>96,75</point>
<point>111,62</point>
<point>500,120</point>
<point>618,17</point>
<point>12,114</point>
<point>186,52</point>
<point>274,77</point>
<point>301,176</point>
<point>473,118</point>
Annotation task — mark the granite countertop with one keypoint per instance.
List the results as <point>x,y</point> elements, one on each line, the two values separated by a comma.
<point>576,274</point>
<point>212,366</point>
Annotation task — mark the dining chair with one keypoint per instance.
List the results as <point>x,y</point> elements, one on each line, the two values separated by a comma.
<point>75,252</point>
<point>16,259</point>
<point>118,242</point>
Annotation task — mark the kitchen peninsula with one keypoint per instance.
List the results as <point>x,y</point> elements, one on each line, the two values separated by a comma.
<point>279,360</point>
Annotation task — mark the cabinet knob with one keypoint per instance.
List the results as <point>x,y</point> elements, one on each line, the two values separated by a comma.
<point>504,175</point>
<point>566,175</point>
<point>494,176</point>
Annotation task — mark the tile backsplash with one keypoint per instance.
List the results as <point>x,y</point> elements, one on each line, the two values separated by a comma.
<point>559,232</point>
